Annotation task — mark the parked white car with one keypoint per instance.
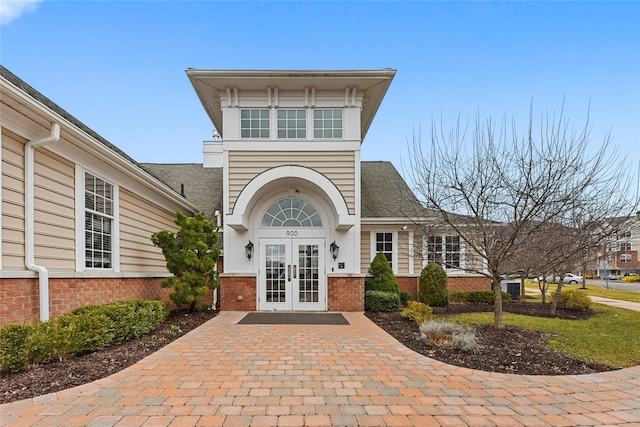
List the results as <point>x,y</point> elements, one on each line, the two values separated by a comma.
<point>568,278</point>
<point>611,277</point>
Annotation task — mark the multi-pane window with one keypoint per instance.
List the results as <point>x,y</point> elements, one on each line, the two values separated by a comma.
<point>292,123</point>
<point>254,123</point>
<point>291,212</point>
<point>98,217</point>
<point>384,244</point>
<point>327,123</point>
<point>625,258</point>
<point>444,250</point>
<point>625,246</point>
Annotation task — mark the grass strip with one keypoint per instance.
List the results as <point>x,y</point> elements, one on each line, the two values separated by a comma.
<point>613,338</point>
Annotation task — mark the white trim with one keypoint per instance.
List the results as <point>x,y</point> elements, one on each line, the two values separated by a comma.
<point>89,274</point>
<point>411,252</point>
<point>394,248</point>
<point>80,223</point>
<point>290,145</point>
<point>239,219</point>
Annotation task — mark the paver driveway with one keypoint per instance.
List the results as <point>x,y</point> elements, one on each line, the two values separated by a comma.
<point>293,375</point>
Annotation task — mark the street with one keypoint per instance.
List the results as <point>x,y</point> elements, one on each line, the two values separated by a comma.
<point>616,284</point>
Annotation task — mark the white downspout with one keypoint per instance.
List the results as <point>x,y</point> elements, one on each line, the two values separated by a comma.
<point>29,217</point>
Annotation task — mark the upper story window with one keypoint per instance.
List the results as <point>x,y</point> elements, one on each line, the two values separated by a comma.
<point>444,250</point>
<point>292,123</point>
<point>254,123</point>
<point>327,123</point>
<point>98,203</point>
<point>291,212</point>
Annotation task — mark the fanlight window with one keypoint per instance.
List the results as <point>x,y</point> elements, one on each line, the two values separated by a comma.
<point>291,212</point>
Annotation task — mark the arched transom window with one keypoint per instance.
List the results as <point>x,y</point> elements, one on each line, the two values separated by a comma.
<point>291,212</point>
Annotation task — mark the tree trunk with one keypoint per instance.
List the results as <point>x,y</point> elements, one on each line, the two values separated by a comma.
<point>556,297</point>
<point>497,303</point>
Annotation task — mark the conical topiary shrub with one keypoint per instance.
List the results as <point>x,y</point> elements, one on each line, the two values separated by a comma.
<point>433,286</point>
<point>382,277</point>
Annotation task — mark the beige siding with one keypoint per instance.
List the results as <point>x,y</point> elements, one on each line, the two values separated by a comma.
<point>139,219</point>
<point>365,251</point>
<point>403,252</point>
<point>339,167</point>
<point>12,200</point>
<point>54,211</point>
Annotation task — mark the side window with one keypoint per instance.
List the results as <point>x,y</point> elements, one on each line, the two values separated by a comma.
<point>444,250</point>
<point>384,244</point>
<point>98,222</point>
<point>327,124</point>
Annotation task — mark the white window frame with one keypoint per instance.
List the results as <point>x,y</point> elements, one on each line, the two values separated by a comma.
<point>394,247</point>
<point>286,129</point>
<point>626,258</point>
<point>259,128</point>
<point>625,246</point>
<point>443,253</point>
<point>80,223</point>
<point>322,128</point>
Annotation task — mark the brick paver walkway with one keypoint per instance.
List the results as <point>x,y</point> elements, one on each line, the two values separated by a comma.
<point>292,375</point>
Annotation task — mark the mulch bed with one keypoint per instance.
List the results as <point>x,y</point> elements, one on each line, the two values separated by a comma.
<point>60,375</point>
<point>510,350</point>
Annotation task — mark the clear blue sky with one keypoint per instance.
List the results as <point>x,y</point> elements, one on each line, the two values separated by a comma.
<point>118,66</point>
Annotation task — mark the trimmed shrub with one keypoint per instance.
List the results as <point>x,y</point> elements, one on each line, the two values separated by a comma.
<point>379,301</point>
<point>382,277</point>
<point>574,300</point>
<point>405,297</point>
<point>130,318</point>
<point>477,297</point>
<point>433,286</point>
<point>75,334</point>
<point>631,279</point>
<point>446,334</point>
<point>85,329</point>
<point>418,312</point>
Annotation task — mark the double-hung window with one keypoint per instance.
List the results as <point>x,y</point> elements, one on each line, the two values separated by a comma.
<point>98,220</point>
<point>327,124</point>
<point>444,250</point>
<point>254,123</point>
<point>625,258</point>
<point>292,123</point>
<point>625,246</point>
<point>384,244</point>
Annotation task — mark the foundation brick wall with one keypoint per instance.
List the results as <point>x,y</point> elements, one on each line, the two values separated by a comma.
<point>20,299</point>
<point>409,284</point>
<point>232,287</point>
<point>345,294</point>
<point>457,284</point>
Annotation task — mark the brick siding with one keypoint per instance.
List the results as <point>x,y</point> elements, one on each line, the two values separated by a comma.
<point>234,287</point>
<point>411,284</point>
<point>345,294</point>
<point>20,298</point>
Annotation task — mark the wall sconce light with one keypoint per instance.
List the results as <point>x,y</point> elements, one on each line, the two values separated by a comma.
<point>335,250</point>
<point>248,250</point>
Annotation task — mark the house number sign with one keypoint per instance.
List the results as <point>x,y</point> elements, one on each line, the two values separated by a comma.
<point>292,233</point>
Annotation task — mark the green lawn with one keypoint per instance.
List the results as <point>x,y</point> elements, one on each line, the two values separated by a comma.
<point>596,291</point>
<point>612,338</point>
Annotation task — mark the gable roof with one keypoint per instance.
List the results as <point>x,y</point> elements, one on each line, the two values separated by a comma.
<point>89,137</point>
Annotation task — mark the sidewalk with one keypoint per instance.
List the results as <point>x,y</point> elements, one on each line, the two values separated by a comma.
<point>635,306</point>
<point>226,374</point>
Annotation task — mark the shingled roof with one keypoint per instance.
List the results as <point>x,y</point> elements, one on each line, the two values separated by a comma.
<point>201,186</point>
<point>384,193</point>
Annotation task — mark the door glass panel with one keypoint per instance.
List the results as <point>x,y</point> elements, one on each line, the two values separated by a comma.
<point>308,273</point>
<point>275,269</point>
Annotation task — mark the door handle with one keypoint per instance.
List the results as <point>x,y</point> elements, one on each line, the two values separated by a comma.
<point>289,272</point>
<point>295,271</point>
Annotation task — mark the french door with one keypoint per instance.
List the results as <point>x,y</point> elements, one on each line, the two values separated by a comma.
<point>292,275</point>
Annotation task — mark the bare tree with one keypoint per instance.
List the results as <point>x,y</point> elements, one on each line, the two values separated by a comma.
<point>502,192</point>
